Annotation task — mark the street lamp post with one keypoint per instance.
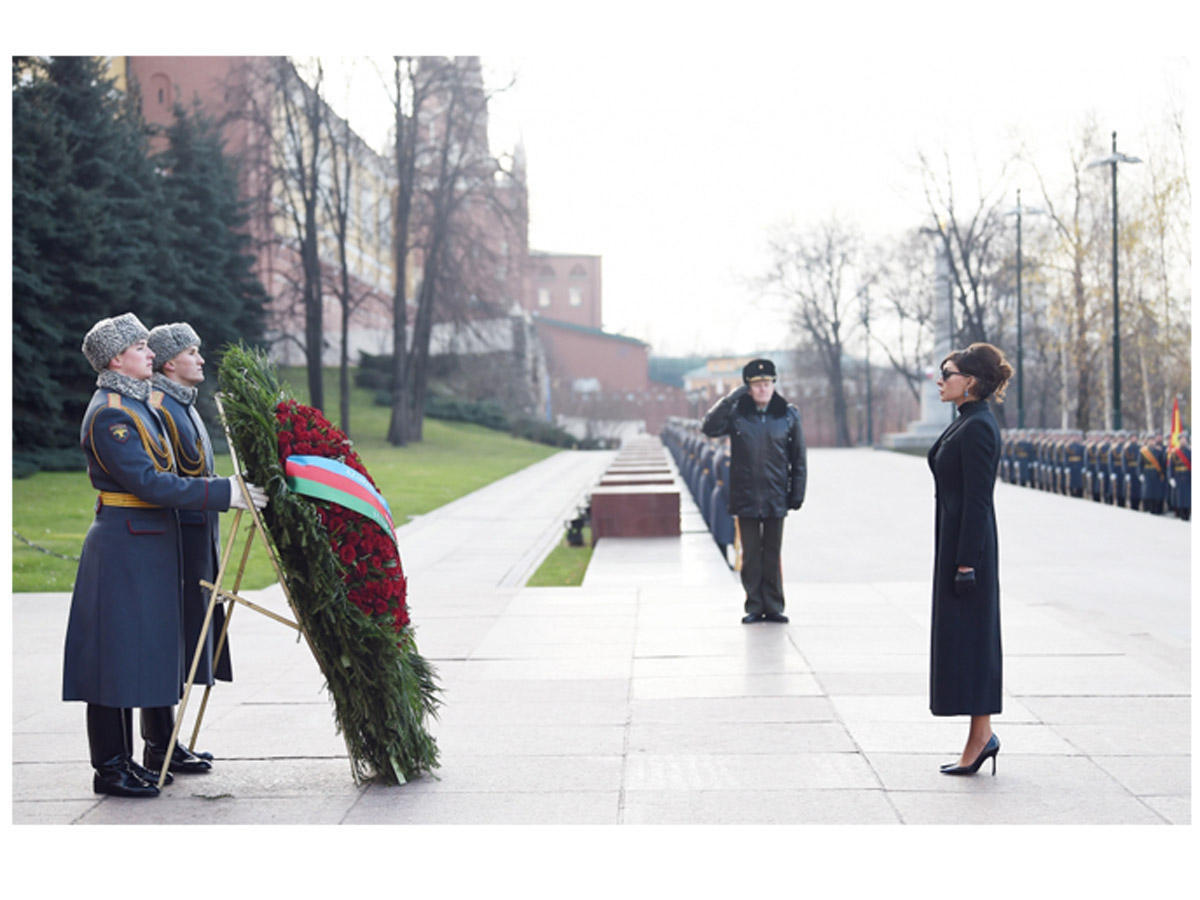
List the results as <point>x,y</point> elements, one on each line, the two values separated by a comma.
<point>1112,161</point>
<point>1020,344</point>
<point>866,317</point>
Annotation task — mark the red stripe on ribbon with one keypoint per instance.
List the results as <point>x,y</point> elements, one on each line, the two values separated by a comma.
<point>337,482</point>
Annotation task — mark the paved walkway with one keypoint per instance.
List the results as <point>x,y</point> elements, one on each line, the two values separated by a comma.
<point>640,698</point>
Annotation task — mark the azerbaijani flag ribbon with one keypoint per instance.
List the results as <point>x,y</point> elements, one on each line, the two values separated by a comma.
<point>326,479</point>
<point>1176,426</point>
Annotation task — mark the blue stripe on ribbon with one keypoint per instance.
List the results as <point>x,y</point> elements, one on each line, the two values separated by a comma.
<point>345,471</point>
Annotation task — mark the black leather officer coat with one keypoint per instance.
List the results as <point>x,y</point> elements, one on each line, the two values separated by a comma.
<point>768,464</point>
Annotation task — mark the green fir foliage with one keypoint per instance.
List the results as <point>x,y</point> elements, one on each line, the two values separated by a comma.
<point>85,210</point>
<point>100,228</point>
<point>383,689</point>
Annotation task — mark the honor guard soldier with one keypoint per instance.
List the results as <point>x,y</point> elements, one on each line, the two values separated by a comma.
<point>1024,454</point>
<point>1116,469</point>
<point>722,527</point>
<point>1131,452</point>
<point>1060,463</point>
<point>1044,465</point>
<point>1104,465</point>
<point>1075,465</point>
<point>1179,477</point>
<point>1152,472</point>
<point>1095,479</point>
<point>767,477</point>
<point>178,374</point>
<point>124,642</point>
<point>1007,442</point>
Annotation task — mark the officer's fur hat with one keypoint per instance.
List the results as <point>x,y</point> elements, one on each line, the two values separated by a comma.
<point>168,341</point>
<point>112,337</point>
<point>758,370</point>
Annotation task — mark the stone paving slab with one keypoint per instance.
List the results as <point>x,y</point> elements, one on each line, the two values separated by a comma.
<point>771,806</point>
<point>748,771</point>
<point>400,806</point>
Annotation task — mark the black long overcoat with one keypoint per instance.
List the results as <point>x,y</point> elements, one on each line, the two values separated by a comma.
<point>124,643</point>
<point>201,538</point>
<point>965,656</point>
<point>768,468</point>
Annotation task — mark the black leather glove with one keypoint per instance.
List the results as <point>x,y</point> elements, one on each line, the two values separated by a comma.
<point>964,583</point>
<point>794,504</point>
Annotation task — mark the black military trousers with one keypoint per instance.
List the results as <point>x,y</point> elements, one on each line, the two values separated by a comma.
<point>110,730</point>
<point>762,571</point>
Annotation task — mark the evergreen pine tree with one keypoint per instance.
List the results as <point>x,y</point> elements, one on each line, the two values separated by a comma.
<point>87,227</point>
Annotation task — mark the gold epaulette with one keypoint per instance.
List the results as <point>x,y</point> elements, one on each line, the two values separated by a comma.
<point>156,448</point>
<point>118,498</point>
<point>190,466</point>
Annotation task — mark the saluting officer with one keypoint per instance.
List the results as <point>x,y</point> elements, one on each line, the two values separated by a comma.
<point>178,374</point>
<point>768,476</point>
<point>124,642</point>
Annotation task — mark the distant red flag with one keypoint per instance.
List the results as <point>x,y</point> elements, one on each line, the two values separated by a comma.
<point>1176,426</point>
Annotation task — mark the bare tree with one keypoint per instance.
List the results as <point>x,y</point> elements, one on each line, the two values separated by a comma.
<point>1156,238</point>
<point>347,154</point>
<point>904,321</point>
<point>411,89</point>
<point>290,113</point>
<point>446,192</point>
<point>821,272</point>
<point>1079,240</point>
<point>971,241</point>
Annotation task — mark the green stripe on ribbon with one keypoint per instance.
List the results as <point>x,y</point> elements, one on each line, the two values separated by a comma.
<point>309,488</point>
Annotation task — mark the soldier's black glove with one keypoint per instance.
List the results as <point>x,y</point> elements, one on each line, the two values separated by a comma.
<point>795,504</point>
<point>964,583</point>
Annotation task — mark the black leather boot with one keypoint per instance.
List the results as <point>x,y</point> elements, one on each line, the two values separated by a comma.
<point>116,778</point>
<point>114,774</point>
<point>157,725</point>
<point>140,771</point>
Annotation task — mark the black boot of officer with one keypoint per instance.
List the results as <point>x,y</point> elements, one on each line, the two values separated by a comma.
<point>157,724</point>
<point>115,774</point>
<point>141,771</point>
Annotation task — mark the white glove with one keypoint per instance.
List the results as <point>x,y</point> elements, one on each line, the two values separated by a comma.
<point>255,496</point>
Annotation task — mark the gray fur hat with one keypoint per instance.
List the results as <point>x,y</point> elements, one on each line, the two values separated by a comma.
<point>168,341</point>
<point>112,337</point>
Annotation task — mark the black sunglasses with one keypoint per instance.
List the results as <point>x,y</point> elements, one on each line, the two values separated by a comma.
<point>947,374</point>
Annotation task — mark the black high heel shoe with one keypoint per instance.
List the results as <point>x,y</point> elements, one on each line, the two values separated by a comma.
<point>990,749</point>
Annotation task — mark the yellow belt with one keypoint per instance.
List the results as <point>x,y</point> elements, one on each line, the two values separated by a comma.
<point>116,498</point>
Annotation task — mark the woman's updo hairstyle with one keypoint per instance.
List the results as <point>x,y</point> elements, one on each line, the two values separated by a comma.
<point>987,365</point>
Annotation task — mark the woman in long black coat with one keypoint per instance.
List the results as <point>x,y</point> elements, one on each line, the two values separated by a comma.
<point>965,656</point>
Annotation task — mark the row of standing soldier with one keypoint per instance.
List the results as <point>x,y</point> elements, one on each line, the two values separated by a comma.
<point>703,464</point>
<point>1137,471</point>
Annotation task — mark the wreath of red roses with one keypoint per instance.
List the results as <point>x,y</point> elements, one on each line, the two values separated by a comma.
<point>369,558</point>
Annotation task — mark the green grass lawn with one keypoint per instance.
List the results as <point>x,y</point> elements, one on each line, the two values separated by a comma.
<point>566,565</point>
<point>55,509</point>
